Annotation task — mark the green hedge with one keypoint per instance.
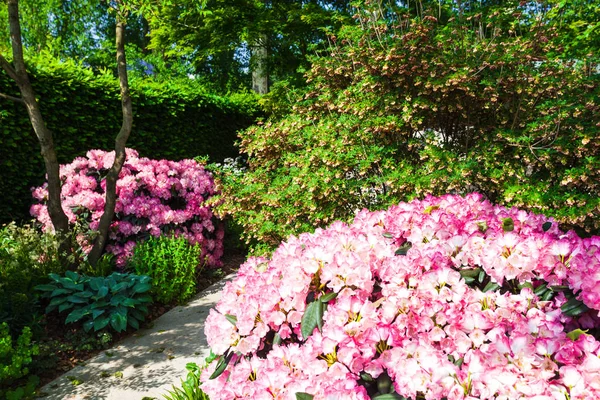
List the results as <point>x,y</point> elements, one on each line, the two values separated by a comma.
<point>172,120</point>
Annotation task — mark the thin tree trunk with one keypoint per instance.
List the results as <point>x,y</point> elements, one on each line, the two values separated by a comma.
<point>19,75</point>
<point>260,73</point>
<point>120,141</point>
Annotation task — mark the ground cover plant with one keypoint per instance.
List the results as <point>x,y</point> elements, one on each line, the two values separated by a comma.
<point>443,298</point>
<point>156,197</point>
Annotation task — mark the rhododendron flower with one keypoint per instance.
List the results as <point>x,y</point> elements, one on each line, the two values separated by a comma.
<point>435,299</point>
<point>153,197</point>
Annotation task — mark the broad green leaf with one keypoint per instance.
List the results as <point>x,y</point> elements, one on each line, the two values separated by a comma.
<point>76,299</point>
<point>118,321</point>
<point>58,292</point>
<point>88,325</point>
<point>133,323</point>
<point>101,323</point>
<point>231,318</point>
<point>304,396</point>
<point>65,306</point>
<point>222,364</point>
<point>46,288</point>
<point>141,287</point>
<point>403,250</point>
<point>491,286</point>
<point>328,297</point>
<point>320,311</point>
<point>117,300</point>
<point>575,334</point>
<point>547,226</point>
<point>277,339</point>
<point>102,292</point>
<point>388,235</point>
<point>389,396</point>
<point>76,315</point>
<point>309,319</point>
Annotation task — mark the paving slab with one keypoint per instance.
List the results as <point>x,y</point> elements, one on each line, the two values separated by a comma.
<point>147,363</point>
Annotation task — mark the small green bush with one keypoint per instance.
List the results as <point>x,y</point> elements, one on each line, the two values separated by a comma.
<point>14,359</point>
<point>190,388</point>
<point>172,263</point>
<point>118,300</point>
<point>27,256</point>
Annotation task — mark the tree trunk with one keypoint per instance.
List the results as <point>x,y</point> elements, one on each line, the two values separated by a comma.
<point>120,141</point>
<point>19,75</point>
<point>260,73</point>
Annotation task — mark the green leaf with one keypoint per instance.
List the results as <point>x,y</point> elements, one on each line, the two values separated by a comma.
<point>101,323</point>
<point>102,292</point>
<point>326,298</point>
<point>508,225</point>
<point>141,287</point>
<point>470,272</point>
<point>574,307</point>
<point>483,227</point>
<point>547,225</point>
<point>88,325</point>
<point>117,300</point>
<point>366,377</point>
<point>76,315</point>
<point>58,292</point>
<point>133,323</point>
<point>46,288</point>
<point>304,396</point>
<point>402,250</point>
<point>65,306</point>
<point>389,396</point>
<point>118,287</point>
<point>388,235</point>
<point>76,299</point>
<point>490,287</point>
<point>221,365</point>
<point>320,311</point>
<point>575,334</point>
<point>118,321</point>
<point>277,339</point>
<point>57,300</point>
<point>231,318</point>
<point>481,276</point>
<point>74,276</point>
<point>309,319</point>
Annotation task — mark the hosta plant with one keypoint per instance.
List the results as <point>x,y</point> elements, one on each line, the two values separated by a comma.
<point>118,300</point>
<point>444,298</point>
<point>154,197</point>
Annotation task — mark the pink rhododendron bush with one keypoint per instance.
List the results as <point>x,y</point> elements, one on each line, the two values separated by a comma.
<point>154,197</point>
<point>444,298</point>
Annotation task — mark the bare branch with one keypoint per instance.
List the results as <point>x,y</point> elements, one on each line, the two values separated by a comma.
<point>12,98</point>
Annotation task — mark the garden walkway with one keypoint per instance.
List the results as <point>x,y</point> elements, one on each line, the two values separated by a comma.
<point>146,364</point>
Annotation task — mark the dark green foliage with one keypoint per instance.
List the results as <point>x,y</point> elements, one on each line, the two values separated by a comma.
<point>117,300</point>
<point>172,263</point>
<point>15,356</point>
<point>27,256</point>
<point>172,120</point>
<point>406,106</point>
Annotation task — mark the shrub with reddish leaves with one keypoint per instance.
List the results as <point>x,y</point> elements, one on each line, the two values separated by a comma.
<point>445,298</point>
<point>154,197</point>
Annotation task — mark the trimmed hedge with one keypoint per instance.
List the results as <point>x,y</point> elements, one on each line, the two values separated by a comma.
<point>172,120</point>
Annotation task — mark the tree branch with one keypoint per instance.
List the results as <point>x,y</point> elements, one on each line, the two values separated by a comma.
<point>8,68</point>
<point>15,99</point>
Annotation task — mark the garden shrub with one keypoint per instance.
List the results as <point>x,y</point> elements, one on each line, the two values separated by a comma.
<point>27,256</point>
<point>444,298</point>
<point>154,198</point>
<point>172,264</point>
<point>118,300</point>
<point>15,356</point>
<point>171,120</point>
<point>404,107</point>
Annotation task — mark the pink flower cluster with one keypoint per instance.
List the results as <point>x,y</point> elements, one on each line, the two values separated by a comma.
<point>410,315</point>
<point>154,197</point>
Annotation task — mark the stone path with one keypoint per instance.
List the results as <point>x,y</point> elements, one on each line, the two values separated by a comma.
<point>146,364</point>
